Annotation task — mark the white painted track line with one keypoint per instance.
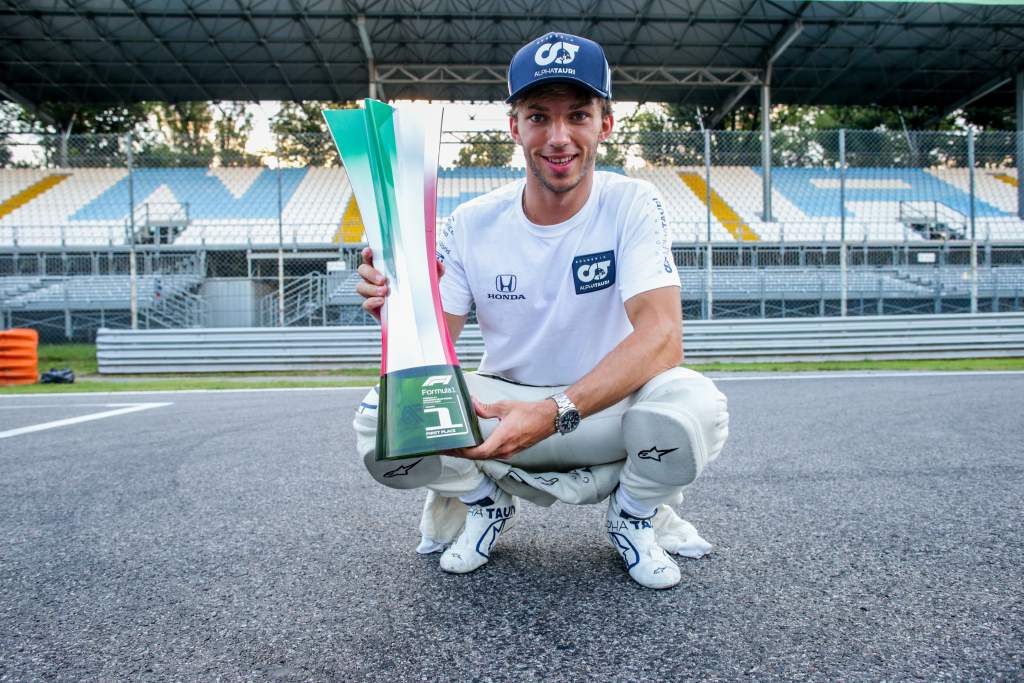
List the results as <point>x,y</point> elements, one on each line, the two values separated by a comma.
<point>767,377</point>
<point>716,376</point>
<point>127,408</point>
<point>33,406</point>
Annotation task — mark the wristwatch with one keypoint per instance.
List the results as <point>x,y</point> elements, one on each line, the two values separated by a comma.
<point>568,417</point>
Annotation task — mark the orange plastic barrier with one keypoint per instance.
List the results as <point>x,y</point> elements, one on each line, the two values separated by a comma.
<point>19,356</point>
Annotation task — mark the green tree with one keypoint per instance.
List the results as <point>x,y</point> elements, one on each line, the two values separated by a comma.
<point>662,137</point>
<point>9,123</point>
<point>232,129</point>
<point>185,136</point>
<point>302,137</point>
<point>611,153</point>
<point>991,118</point>
<point>96,131</point>
<point>485,149</point>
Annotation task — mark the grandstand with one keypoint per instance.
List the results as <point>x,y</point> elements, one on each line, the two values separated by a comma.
<point>233,206</point>
<point>779,222</point>
<point>219,221</point>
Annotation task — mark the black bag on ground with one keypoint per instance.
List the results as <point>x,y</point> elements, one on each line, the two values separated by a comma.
<point>57,376</point>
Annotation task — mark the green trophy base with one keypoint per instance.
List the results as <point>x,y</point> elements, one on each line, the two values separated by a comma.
<point>431,404</point>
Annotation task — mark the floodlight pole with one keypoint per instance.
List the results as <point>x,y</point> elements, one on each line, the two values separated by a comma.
<point>974,240</point>
<point>709,297</point>
<point>1019,135</point>
<point>843,286</point>
<point>766,145</point>
<point>133,270</point>
<point>280,248</point>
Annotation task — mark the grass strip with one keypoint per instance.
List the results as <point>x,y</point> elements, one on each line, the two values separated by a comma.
<point>81,358</point>
<point>920,365</point>
<point>356,377</point>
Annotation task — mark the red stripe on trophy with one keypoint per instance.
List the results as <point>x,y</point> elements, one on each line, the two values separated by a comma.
<point>430,218</point>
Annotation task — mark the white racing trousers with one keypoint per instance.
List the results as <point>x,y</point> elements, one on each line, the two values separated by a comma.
<point>652,443</point>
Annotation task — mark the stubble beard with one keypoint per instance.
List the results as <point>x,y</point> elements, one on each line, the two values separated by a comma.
<point>586,168</point>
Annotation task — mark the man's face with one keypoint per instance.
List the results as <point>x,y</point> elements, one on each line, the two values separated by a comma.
<point>559,136</point>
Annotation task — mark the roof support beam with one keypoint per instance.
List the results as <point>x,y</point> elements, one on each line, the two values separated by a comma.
<point>215,43</point>
<point>406,74</point>
<point>791,34</point>
<point>994,84</point>
<point>727,106</point>
<point>783,42</point>
<point>693,76</point>
<point>159,40</point>
<point>487,74</point>
<point>787,38</point>
<point>113,45</point>
<point>314,45</point>
<point>271,57</point>
<point>376,86</point>
<point>25,103</point>
<point>37,19</point>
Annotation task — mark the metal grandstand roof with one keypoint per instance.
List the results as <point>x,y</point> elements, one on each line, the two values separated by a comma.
<point>709,52</point>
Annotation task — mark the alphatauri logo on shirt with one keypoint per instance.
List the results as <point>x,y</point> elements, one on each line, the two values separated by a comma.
<point>593,272</point>
<point>505,288</point>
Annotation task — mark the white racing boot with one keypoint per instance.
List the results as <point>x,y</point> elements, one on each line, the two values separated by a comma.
<point>647,562</point>
<point>484,523</point>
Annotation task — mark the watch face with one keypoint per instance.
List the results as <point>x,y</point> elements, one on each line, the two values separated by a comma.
<point>568,421</point>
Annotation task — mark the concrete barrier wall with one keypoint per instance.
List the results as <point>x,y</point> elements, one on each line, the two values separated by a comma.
<point>793,339</point>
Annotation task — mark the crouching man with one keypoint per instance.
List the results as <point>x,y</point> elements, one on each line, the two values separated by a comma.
<point>579,391</point>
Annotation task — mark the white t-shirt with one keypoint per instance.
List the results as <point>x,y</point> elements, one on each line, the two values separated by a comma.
<point>549,298</point>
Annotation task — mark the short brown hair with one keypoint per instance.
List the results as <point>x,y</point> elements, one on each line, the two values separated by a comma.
<point>560,89</point>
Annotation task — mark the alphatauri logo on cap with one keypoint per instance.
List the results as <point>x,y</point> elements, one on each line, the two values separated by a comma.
<point>559,53</point>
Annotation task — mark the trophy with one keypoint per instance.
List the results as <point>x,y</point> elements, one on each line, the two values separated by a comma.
<point>391,158</point>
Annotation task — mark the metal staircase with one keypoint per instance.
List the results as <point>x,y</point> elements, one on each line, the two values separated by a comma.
<point>161,222</point>
<point>181,308</point>
<point>178,305</point>
<point>305,303</point>
<point>933,220</point>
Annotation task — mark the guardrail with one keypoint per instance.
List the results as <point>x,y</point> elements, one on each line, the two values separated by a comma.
<point>320,348</point>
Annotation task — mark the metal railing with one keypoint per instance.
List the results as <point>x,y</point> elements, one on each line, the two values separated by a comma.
<point>291,349</point>
<point>842,193</point>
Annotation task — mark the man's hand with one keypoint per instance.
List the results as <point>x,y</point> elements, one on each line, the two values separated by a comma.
<point>521,425</point>
<point>374,287</point>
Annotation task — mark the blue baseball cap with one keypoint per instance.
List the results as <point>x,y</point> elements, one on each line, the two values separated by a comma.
<point>560,57</point>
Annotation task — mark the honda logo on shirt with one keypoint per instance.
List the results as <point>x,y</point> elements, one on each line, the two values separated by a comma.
<point>505,283</point>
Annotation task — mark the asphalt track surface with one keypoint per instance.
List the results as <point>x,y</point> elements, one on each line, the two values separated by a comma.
<point>865,528</point>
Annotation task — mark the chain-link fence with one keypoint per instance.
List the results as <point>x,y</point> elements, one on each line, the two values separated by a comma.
<point>115,230</point>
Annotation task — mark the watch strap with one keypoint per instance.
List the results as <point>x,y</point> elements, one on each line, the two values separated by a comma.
<point>564,405</point>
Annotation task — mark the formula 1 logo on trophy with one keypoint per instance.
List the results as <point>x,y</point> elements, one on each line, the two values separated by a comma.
<point>391,158</point>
